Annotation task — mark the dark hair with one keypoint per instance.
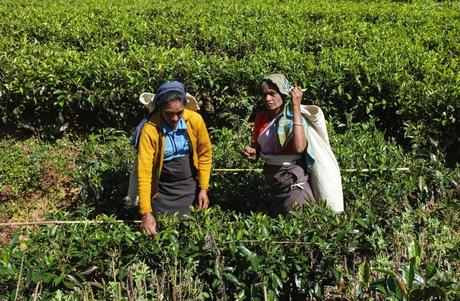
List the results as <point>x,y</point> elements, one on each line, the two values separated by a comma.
<point>170,96</point>
<point>274,87</point>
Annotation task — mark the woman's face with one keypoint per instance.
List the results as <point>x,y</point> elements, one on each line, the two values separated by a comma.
<point>273,100</point>
<point>172,111</point>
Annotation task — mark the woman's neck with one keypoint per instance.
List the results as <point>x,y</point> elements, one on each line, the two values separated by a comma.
<point>275,112</point>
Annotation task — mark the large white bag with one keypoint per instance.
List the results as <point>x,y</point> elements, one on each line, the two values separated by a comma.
<point>326,182</point>
<point>132,199</point>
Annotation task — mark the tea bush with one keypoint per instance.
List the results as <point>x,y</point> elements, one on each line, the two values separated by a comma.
<point>37,177</point>
<point>76,67</point>
<point>239,253</point>
<point>384,72</point>
<point>311,255</point>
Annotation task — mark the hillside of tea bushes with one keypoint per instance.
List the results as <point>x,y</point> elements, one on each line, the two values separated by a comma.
<point>68,66</point>
<point>386,73</point>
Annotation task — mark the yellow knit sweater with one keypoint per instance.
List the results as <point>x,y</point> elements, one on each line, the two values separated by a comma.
<point>150,155</point>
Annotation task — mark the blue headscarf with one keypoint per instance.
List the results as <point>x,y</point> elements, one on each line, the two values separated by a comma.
<point>170,91</point>
<point>166,92</point>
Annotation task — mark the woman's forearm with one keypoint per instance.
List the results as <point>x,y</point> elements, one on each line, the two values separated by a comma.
<point>299,139</point>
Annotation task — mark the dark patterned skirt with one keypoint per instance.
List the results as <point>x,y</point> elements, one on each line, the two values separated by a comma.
<point>288,186</point>
<point>177,187</point>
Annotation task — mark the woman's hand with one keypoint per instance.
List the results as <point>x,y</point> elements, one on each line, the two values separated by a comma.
<point>148,225</point>
<point>296,94</point>
<point>249,153</point>
<point>299,139</point>
<point>203,200</point>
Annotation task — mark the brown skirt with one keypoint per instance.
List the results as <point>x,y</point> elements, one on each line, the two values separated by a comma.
<point>288,186</point>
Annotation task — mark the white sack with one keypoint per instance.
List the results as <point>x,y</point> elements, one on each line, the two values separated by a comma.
<point>315,118</point>
<point>132,199</point>
<point>326,182</point>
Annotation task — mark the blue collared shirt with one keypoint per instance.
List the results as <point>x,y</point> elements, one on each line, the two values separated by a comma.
<point>177,144</point>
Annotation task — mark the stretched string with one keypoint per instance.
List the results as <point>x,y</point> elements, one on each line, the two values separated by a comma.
<point>234,170</point>
<point>79,222</point>
<point>347,170</point>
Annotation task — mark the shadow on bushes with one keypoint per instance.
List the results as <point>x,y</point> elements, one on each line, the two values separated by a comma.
<point>239,192</point>
<point>243,194</point>
<point>104,192</point>
<point>107,194</point>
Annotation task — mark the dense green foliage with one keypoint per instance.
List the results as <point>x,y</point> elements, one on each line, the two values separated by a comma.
<point>315,254</point>
<point>66,66</point>
<point>384,72</point>
<point>368,251</point>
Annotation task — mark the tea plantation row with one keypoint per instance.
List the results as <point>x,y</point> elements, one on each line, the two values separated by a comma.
<point>384,72</point>
<point>396,224</point>
<point>67,66</point>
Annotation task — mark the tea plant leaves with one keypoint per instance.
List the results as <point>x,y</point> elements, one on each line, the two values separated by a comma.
<point>385,73</point>
<point>80,70</point>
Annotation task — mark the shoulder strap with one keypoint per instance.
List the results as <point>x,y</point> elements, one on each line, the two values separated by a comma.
<point>137,131</point>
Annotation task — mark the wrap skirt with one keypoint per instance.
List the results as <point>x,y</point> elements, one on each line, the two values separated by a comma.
<point>288,185</point>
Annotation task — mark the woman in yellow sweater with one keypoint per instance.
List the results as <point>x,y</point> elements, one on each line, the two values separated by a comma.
<point>174,158</point>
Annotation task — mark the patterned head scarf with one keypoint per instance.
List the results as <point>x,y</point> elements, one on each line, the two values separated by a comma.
<point>280,81</point>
